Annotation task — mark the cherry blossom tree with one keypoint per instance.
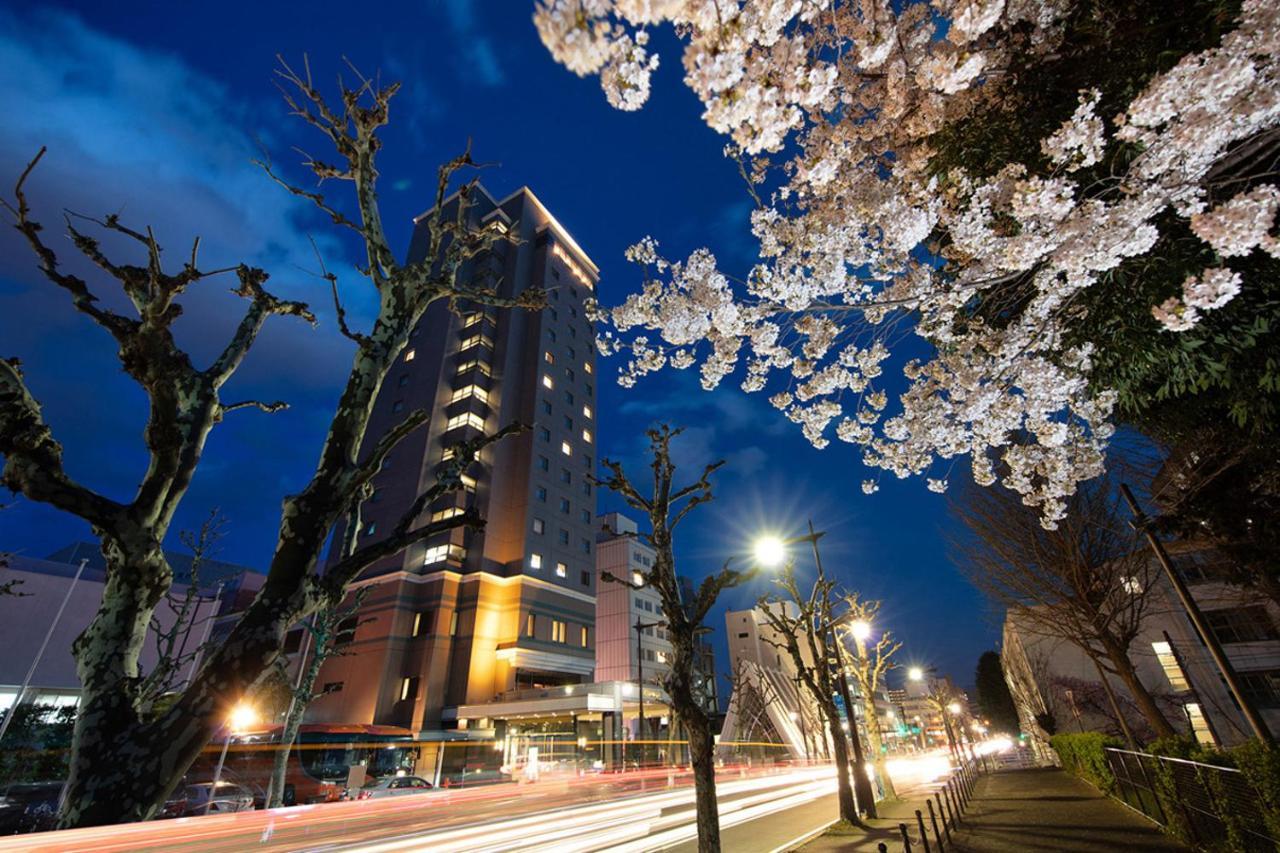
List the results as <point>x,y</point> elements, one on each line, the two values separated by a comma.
<point>907,179</point>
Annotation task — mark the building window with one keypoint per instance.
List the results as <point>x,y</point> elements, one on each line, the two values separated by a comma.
<point>470,391</point>
<point>559,630</point>
<point>583,636</point>
<point>421,622</point>
<point>569,374</point>
<point>408,689</point>
<point>1262,687</point>
<point>586,436</point>
<point>472,318</point>
<point>1199,725</point>
<point>540,494</point>
<point>467,419</point>
<point>551,333</point>
<point>566,448</point>
<point>586,489</point>
<point>453,624</point>
<point>446,513</point>
<point>404,380</point>
<point>568,423</point>
<point>371,528</point>
<point>586,411</point>
<point>546,407</point>
<point>585,578</point>
<point>535,561</point>
<point>346,631</point>
<point>585,515</point>
<point>436,554</point>
<point>566,476</point>
<point>544,433</point>
<point>589,388</point>
<point>472,364</point>
<point>476,340</point>
<point>586,365</point>
<point>568,397</point>
<point>586,546</point>
<point>548,357</point>
<point>1241,624</point>
<point>564,505</point>
<point>397,406</point>
<point>539,526</point>
<point>531,625</point>
<point>409,354</point>
<point>1172,669</point>
<point>562,570</point>
<point>332,687</point>
<point>587,460</point>
<point>564,536</point>
<point>468,483</point>
<point>544,464</point>
<point>547,381</point>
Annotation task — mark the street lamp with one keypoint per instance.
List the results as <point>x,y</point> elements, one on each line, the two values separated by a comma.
<point>240,718</point>
<point>770,551</point>
<point>915,673</point>
<point>861,631</point>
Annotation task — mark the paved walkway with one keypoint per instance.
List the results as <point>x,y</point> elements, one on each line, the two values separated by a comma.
<point>1047,809</point>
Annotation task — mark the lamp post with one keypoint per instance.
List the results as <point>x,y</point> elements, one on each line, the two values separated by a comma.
<point>771,551</point>
<point>241,717</point>
<point>640,627</point>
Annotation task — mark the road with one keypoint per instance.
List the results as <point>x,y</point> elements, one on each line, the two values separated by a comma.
<point>634,811</point>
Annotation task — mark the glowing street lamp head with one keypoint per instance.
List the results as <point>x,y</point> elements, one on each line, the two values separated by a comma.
<point>915,673</point>
<point>861,629</point>
<point>954,708</point>
<point>770,552</point>
<point>242,717</point>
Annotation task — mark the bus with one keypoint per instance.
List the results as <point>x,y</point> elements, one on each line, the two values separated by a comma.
<point>319,762</point>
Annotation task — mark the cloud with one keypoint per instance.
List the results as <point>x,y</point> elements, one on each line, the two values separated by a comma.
<point>140,132</point>
<point>477,49</point>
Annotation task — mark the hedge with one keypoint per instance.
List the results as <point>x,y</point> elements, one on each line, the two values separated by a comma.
<point>1083,754</point>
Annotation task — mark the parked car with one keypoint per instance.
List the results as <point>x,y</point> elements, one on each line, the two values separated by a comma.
<point>394,786</point>
<point>471,778</point>
<point>229,797</point>
<point>29,807</point>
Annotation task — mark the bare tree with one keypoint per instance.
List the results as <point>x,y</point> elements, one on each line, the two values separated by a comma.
<point>115,728</point>
<point>802,625</point>
<point>868,664</point>
<point>666,506</point>
<point>1088,581</point>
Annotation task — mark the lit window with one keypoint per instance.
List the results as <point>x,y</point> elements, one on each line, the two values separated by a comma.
<point>582,636</point>
<point>1199,725</point>
<point>565,448</point>
<point>535,561</point>
<point>453,624</point>
<point>421,622</point>
<point>436,554</point>
<point>548,357</point>
<point>447,453</point>
<point>471,319</point>
<point>470,419</point>
<point>586,411</point>
<point>407,690</point>
<point>546,381</point>
<point>539,526</point>
<point>476,340</point>
<point>587,367</point>
<point>638,580</point>
<point>530,625</point>
<point>468,482</point>
<point>470,391</point>
<point>559,631</point>
<point>586,436</point>
<point>409,355</point>
<point>562,571</point>
<point>1172,669</point>
<point>472,364</point>
<point>447,513</point>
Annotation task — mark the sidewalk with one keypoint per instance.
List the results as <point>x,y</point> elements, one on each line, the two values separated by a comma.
<point>1047,809</point>
<point>884,828</point>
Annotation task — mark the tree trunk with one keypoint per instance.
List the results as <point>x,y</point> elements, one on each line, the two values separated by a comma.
<point>1141,696</point>
<point>875,743</point>
<point>844,786</point>
<point>298,702</point>
<point>702,756</point>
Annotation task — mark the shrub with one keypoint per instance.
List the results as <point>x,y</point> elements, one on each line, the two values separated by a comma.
<point>1084,755</point>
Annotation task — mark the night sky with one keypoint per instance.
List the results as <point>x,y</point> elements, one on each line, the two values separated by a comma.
<point>155,110</point>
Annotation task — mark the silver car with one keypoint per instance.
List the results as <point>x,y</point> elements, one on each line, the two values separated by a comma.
<point>229,797</point>
<point>395,786</point>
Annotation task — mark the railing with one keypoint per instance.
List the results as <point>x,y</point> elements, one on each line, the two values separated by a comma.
<point>1205,804</point>
<point>952,799</point>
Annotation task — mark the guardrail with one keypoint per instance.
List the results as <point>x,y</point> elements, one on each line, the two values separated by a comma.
<point>1205,804</point>
<point>952,799</point>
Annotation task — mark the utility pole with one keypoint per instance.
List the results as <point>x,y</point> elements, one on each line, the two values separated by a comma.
<point>640,626</point>
<point>1143,523</point>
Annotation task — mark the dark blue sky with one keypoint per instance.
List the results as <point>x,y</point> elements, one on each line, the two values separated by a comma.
<point>156,108</point>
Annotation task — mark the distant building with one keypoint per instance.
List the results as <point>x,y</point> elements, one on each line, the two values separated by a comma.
<point>460,624</point>
<point>25,619</point>
<point>1056,687</point>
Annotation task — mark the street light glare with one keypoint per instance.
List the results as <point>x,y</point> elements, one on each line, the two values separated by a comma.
<point>915,673</point>
<point>770,551</point>
<point>241,717</point>
<point>861,629</point>
<point>954,707</point>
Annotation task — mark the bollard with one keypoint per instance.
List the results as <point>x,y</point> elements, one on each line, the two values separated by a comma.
<point>906,839</point>
<point>924,838</point>
<point>955,801</point>
<point>933,819</point>
<point>942,814</point>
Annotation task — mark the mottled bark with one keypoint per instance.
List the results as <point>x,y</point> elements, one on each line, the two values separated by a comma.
<point>1118,657</point>
<point>665,507</point>
<point>126,756</point>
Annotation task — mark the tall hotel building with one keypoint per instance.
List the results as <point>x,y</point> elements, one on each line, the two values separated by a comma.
<point>464,618</point>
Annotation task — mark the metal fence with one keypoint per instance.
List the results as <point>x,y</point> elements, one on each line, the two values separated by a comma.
<point>1213,807</point>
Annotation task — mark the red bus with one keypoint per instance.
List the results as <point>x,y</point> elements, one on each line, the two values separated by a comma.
<point>319,762</point>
